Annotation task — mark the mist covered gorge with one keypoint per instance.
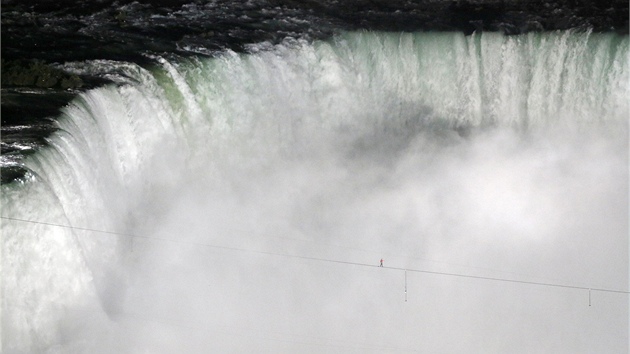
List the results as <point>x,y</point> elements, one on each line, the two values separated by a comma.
<point>228,176</point>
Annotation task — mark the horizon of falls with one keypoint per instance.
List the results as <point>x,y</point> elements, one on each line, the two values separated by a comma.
<point>489,155</point>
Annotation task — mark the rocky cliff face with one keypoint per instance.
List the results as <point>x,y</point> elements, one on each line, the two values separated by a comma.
<point>36,34</point>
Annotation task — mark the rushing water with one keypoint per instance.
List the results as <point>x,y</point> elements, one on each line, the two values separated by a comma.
<point>189,187</point>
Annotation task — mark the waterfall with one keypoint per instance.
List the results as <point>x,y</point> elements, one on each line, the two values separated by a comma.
<point>484,154</point>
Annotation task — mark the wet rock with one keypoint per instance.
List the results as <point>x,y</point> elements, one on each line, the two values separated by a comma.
<point>71,82</point>
<point>36,73</point>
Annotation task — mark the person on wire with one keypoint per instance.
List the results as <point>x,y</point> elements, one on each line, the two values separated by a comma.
<point>381,263</point>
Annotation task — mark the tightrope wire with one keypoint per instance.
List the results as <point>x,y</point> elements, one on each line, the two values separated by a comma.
<point>325,259</point>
